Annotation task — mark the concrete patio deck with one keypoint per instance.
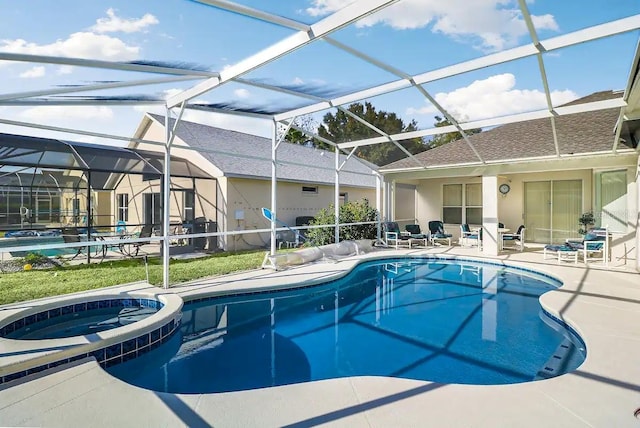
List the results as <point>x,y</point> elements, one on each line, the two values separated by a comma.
<point>602,305</point>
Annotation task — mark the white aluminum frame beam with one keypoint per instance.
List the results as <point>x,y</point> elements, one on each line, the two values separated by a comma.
<point>543,73</point>
<point>112,65</point>
<point>381,132</point>
<point>333,22</point>
<point>503,120</point>
<point>96,87</point>
<point>256,13</point>
<point>588,34</point>
<point>75,131</point>
<point>78,102</point>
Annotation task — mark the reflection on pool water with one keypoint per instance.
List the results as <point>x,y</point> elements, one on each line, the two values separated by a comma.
<point>433,320</point>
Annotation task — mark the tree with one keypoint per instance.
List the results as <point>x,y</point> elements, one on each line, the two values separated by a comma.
<point>442,139</point>
<point>341,127</point>
<point>296,136</point>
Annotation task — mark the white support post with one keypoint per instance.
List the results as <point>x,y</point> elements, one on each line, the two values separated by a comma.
<point>490,243</point>
<point>274,148</point>
<point>392,200</point>
<point>638,216</point>
<point>336,200</point>
<point>379,207</point>
<point>387,200</point>
<point>166,182</point>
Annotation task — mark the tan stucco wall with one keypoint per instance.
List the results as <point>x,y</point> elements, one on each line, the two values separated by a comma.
<point>155,132</point>
<point>249,196</point>
<point>404,200</point>
<point>102,212</point>
<point>132,184</point>
<point>220,199</point>
<point>511,206</point>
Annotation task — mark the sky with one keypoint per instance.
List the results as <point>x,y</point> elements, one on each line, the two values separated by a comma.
<point>414,36</point>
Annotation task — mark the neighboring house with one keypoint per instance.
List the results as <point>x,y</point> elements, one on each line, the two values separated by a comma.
<point>241,166</point>
<point>542,186</point>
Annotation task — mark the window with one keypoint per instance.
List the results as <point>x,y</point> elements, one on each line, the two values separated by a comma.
<point>152,209</point>
<point>76,210</point>
<point>344,198</point>
<point>611,200</point>
<point>309,190</point>
<point>123,206</point>
<point>462,203</point>
<point>189,205</point>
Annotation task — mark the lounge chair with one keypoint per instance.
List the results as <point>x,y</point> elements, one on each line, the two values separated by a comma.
<point>515,239</point>
<point>393,237</point>
<point>594,247</point>
<point>416,233</point>
<point>145,232</point>
<point>71,235</point>
<point>469,238</point>
<point>437,232</point>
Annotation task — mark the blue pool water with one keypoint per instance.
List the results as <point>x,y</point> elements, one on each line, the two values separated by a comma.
<point>80,323</point>
<point>443,321</point>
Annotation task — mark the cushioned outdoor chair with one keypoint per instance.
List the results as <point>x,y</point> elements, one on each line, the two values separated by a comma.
<point>514,240</point>
<point>71,235</point>
<point>416,233</point>
<point>594,247</point>
<point>437,233</point>
<point>145,232</point>
<point>393,237</point>
<point>469,238</point>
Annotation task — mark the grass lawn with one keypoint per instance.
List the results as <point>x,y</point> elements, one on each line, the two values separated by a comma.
<point>34,284</point>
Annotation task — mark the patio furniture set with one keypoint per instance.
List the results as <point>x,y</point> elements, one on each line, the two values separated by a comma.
<point>413,236</point>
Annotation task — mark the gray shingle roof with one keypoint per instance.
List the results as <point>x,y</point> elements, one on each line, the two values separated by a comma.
<point>577,133</point>
<point>355,173</point>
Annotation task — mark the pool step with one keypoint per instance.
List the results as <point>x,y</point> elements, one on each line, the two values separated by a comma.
<point>555,366</point>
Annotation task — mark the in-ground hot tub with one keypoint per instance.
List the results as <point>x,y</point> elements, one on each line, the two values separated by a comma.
<point>110,328</point>
<point>81,319</point>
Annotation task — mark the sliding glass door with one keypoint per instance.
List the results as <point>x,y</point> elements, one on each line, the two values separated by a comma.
<point>552,209</point>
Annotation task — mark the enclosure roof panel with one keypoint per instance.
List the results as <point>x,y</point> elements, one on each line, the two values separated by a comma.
<point>102,160</point>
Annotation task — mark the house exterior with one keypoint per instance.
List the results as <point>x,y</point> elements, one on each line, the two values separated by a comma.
<point>241,167</point>
<point>519,176</point>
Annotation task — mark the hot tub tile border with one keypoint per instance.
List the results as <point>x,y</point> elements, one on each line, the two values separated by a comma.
<point>77,308</point>
<point>118,352</point>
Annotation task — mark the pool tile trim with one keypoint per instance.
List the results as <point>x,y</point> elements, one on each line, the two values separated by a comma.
<point>78,308</point>
<point>139,337</point>
<point>110,355</point>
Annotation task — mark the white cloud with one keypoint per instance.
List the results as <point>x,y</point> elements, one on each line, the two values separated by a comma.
<point>65,69</point>
<point>323,7</point>
<point>297,81</point>
<point>44,114</point>
<point>248,125</point>
<point>34,72</point>
<point>242,93</point>
<point>489,24</point>
<point>492,97</point>
<point>114,23</point>
<point>79,45</point>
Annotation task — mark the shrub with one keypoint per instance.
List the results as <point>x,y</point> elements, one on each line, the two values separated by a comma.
<point>350,212</point>
<point>35,259</point>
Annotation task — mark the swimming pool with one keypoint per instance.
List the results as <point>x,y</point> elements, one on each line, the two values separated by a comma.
<point>424,319</point>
